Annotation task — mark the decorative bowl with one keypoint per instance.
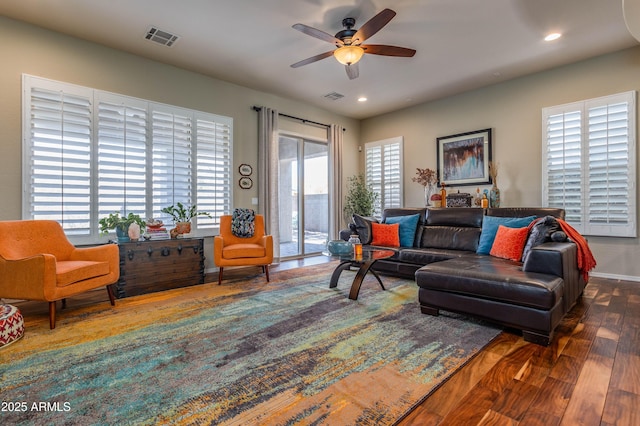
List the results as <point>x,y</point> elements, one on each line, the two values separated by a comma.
<point>339,247</point>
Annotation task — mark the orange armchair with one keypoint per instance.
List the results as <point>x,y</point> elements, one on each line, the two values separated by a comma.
<point>38,262</point>
<point>229,250</point>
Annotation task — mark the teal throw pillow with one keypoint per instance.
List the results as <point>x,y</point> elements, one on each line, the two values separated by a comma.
<point>408,225</point>
<point>490,226</point>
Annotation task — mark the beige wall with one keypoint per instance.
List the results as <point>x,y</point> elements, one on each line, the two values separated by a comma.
<point>31,50</point>
<point>513,110</point>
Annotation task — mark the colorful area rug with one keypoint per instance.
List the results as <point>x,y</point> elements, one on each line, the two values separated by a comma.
<point>292,351</point>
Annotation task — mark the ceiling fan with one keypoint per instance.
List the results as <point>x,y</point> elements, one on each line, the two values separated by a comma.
<point>349,48</point>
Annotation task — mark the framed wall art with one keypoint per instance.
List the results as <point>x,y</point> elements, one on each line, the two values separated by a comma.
<point>463,159</point>
<point>245,170</point>
<point>245,182</point>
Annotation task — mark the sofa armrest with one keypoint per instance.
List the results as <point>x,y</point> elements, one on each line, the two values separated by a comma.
<point>552,258</point>
<point>559,259</point>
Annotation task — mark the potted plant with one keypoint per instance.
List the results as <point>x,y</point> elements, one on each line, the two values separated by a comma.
<point>360,198</point>
<point>120,224</point>
<point>182,216</point>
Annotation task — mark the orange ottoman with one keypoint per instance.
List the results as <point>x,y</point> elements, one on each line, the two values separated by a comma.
<point>11,324</point>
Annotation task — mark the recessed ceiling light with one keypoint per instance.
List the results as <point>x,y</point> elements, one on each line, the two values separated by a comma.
<point>552,37</point>
<point>362,99</point>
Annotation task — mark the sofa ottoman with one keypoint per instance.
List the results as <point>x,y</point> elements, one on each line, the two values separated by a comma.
<point>11,324</point>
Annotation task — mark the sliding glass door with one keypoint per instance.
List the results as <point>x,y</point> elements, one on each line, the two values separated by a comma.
<point>304,196</point>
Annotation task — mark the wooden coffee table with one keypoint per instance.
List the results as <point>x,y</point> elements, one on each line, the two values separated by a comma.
<point>363,263</point>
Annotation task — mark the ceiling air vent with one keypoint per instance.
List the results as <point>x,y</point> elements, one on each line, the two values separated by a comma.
<point>334,96</point>
<point>161,37</point>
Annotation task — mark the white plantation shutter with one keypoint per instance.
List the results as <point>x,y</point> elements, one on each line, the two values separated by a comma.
<point>383,171</point>
<point>172,156</point>
<point>373,174</point>
<point>392,175</point>
<point>88,153</point>
<point>192,158</point>
<point>609,168</point>
<point>122,155</point>
<point>57,153</point>
<point>564,163</point>
<point>589,149</point>
<point>213,166</point>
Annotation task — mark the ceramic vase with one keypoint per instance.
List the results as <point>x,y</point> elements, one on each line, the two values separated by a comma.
<point>494,196</point>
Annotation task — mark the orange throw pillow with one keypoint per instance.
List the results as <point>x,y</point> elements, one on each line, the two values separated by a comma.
<point>385,235</point>
<point>509,242</point>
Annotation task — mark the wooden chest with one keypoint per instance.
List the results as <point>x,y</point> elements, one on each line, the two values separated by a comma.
<point>149,266</point>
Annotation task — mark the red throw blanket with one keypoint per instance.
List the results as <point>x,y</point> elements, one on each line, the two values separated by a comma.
<point>586,261</point>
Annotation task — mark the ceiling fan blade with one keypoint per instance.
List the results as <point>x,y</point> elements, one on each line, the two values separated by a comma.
<point>312,59</point>
<point>372,26</point>
<point>382,49</point>
<point>314,32</point>
<point>352,71</point>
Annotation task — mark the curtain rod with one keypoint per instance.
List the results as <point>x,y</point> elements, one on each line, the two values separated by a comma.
<point>304,120</point>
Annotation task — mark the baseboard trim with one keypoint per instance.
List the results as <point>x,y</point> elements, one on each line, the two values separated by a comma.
<point>615,276</point>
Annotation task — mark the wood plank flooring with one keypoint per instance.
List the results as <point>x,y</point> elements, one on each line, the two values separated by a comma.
<point>589,375</point>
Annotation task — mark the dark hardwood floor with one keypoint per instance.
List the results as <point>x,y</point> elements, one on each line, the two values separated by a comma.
<point>589,375</point>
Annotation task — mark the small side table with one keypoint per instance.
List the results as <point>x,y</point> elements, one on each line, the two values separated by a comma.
<point>364,264</point>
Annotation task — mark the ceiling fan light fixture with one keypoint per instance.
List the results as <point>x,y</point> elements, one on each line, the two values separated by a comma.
<point>348,55</point>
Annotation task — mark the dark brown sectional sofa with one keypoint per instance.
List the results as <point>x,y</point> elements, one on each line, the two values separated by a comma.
<point>532,296</point>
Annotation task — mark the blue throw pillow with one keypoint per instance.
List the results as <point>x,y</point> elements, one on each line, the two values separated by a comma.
<point>490,226</point>
<point>408,225</point>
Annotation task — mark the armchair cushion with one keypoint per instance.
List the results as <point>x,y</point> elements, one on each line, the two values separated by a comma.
<point>73,271</point>
<point>236,251</point>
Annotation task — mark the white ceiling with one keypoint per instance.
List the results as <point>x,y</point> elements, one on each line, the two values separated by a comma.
<point>461,44</point>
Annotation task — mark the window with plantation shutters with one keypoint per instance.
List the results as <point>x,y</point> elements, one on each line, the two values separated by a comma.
<point>89,153</point>
<point>57,174</point>
<point>172,152</point>
<point>589,164</point>
<point>213,168</point>
<point>383,172</point>
<point>121,155</point>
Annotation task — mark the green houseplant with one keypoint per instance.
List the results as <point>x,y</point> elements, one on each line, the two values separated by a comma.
<point>120,224</point>
<point>182,216</point>
<point>360,198</point>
